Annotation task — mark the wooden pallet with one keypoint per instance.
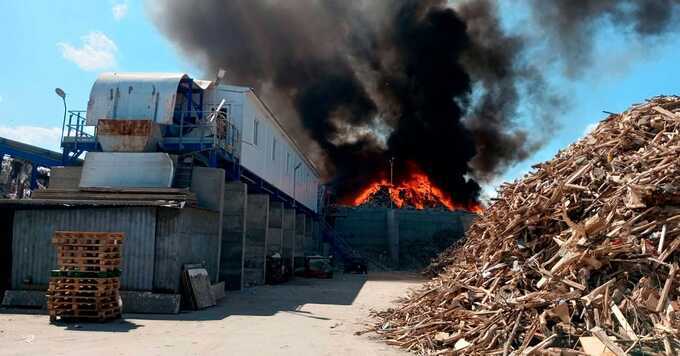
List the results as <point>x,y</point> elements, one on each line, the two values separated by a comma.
<point>94,282</point>
<point>93,315</point>
<point>88,261</point>
<point>105,236</point>
<point>82,253</point>
<point>57,304</point>
<point>81,303</point>
<point>88,248</point>
<point>85,274</point>
<point>86,267</point>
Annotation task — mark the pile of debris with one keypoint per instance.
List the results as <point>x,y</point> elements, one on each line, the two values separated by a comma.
<point>579,257</point>
<point>386,196</point>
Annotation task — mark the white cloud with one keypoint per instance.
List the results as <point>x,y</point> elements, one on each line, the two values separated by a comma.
<point>97,52</point>
<point>45,137</point>
<point>590,128</point>
<point>119,10</point>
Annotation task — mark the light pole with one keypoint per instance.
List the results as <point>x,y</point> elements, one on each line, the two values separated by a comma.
<point>62,95</point>
<point>294,184</point>
<point>391,179</point>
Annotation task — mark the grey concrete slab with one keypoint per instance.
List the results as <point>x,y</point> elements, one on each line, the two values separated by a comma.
<point>275,231</point>
<point>150,303</point>
<point>288,237</point>
<point>208,184</point>
<point>233,234</point>
<point>65,177</point>
<point>25,298</point>
<point>257,225</point>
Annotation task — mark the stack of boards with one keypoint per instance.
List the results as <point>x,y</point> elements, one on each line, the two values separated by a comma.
<point>131,195</point>
<point>87,283</point>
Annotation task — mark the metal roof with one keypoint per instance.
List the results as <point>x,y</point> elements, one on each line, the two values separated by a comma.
<point>64,203</point>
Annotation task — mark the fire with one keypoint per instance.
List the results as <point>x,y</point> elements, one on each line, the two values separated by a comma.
<point>416,191</point>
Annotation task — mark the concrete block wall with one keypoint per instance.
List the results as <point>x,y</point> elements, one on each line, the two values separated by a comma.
<point>275,232</point>
<point>65,177</point>
<point>233,234</point>
<point>257,226</point>
<point>403,239</point>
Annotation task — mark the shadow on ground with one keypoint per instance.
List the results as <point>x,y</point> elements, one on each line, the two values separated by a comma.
<point>262,300</point>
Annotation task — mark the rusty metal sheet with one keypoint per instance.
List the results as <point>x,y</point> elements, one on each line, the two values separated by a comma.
<point>128,135</point>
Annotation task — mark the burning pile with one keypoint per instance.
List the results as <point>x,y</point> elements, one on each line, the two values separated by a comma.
<point>581,254</point>
<point>414,192</point>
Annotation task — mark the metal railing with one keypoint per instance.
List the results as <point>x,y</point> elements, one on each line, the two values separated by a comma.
<point>74,128</point>
<point>214,131</point>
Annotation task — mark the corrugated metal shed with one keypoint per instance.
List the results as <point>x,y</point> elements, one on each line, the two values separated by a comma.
<point>6,218</point>
<point>34,255</point>
<point>134,96</point>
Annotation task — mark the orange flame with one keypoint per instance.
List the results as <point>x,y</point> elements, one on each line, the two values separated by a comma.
<point>417,191</point>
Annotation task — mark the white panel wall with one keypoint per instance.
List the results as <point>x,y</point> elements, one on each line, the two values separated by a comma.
<point>275,165</point>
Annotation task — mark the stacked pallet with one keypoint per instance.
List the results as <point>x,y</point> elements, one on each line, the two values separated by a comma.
<point>580,257</point>
<point>87,283</point>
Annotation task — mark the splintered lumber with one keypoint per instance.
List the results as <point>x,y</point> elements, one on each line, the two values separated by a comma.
<point>580,256</point>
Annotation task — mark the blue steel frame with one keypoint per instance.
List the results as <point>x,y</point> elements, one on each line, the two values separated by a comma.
<point>37,156</point>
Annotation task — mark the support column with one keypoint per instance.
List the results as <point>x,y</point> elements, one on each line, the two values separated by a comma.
<point>308,239</point>
<point>393,236</point>
<point>288,238</point>
<point>208,185</point>
<point>299,247</point>
<point>275,233</point>
<point>257,224</point>
<point>233,234</point>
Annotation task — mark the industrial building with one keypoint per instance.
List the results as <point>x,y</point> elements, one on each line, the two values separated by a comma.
<point>193,171</point>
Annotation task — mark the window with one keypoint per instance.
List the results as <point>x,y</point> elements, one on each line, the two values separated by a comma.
<point>273,149</point>
<point>256,127</point>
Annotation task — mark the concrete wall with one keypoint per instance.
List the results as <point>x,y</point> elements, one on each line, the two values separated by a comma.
<point>275,232</point>
<point>233,234</point>
<point>406,240</point>
<point>288,237</point>
<point>65,177</point>
<point>208,184</point>
<point>185,236</point>
<point>257,225</point>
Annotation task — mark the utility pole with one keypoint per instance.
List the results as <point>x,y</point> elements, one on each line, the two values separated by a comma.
<point>391,179</point>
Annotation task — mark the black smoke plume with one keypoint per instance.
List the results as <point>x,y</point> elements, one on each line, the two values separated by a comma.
<point>361,81</point>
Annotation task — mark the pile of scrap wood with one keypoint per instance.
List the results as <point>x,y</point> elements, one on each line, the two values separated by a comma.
<point>580,257</point>
<point>120,194</point>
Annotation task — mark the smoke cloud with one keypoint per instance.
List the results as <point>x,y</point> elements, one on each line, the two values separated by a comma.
<point>571,26</point>
<point>424,81</point>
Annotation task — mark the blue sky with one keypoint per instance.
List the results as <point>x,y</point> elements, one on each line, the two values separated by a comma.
<point>65,44</point>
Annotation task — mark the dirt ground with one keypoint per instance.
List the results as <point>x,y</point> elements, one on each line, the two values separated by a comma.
<point>302,317</point>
